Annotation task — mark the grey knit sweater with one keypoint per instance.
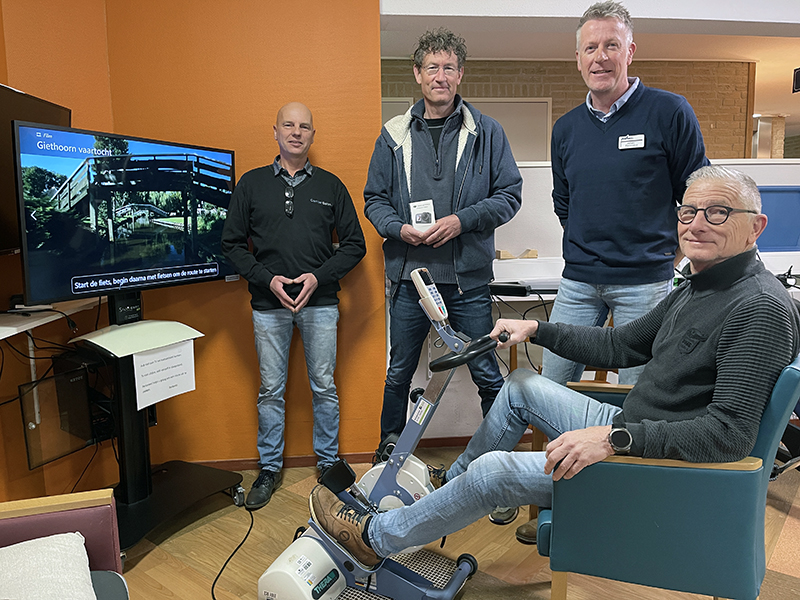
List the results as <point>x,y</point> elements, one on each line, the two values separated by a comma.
<point>714,349</point>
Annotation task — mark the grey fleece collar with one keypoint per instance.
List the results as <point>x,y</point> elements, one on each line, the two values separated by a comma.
<point>399,131</point>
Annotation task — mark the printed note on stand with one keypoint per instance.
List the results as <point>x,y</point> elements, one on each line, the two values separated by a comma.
<point>163,373</point>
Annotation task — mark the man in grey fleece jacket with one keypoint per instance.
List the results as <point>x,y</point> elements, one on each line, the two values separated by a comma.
<point>713,349</point>
<point>441,179</point>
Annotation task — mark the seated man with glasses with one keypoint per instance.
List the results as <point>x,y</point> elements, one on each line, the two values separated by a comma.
<point>713,350</point>
<point>289,211</point>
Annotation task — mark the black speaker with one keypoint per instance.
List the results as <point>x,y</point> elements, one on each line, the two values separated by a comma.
<point>796,81</point>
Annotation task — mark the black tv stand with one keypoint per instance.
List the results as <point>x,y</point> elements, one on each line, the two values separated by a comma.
<point>146,496</point>
<point>176,486</point>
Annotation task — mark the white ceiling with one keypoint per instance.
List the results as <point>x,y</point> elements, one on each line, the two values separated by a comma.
<point>518,34</point>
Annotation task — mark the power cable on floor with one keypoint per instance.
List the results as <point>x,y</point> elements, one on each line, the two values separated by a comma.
<point>246,535</point>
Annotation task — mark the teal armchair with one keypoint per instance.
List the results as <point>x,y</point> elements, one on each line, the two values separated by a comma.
<point>692,527</point>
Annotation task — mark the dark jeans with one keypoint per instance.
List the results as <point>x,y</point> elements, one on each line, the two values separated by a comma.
<point>470,313</point>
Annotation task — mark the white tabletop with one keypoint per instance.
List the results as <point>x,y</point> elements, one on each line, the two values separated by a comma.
<point>14,323</point>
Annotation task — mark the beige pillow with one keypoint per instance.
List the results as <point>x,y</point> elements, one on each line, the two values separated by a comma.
<point>48,568</point>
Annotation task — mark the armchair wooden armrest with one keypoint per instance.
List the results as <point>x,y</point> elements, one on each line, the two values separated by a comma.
<point>50,504</point>
<point>598,386</point>
<point>748,463</point>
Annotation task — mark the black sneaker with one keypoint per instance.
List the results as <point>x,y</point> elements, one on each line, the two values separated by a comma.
<point>321,470</point>
<point>263,487</point>
<point>437,476</point>
<point>385,449</point>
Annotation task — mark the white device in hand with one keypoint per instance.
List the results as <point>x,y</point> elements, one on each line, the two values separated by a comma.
<point>430,300</point>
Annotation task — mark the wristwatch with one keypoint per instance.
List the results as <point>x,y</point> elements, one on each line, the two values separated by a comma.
<point>620,439</point>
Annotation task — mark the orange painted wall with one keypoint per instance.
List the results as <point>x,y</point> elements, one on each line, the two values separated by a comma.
<point>3,70</point>
<point>57,51</point>
<point>213,73</point>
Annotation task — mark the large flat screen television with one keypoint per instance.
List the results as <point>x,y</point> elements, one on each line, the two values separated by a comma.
<point>105,214</point>
<point>16,105</point>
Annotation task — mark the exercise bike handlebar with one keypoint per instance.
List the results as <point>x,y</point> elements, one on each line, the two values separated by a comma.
<point>476,348</point>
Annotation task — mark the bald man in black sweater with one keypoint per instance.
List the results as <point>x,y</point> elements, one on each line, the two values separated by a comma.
<point>289,210</point>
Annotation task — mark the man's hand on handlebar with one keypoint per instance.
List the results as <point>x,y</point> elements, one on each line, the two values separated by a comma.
<point>517,330</point>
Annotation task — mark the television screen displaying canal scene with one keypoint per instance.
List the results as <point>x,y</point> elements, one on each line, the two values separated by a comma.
<point>102,213</point>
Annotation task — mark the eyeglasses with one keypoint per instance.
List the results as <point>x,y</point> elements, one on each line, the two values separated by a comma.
<point>716,214</point>
<point>432,70</point>
<point>288,206</point>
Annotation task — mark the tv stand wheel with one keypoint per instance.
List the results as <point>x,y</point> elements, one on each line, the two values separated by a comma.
<point>237,493</point>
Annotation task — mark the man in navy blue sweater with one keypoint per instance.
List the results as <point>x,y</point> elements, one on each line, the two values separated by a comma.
<point>620,163</point>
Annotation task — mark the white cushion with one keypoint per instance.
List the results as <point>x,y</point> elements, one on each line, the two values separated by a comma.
<point>48,568</point>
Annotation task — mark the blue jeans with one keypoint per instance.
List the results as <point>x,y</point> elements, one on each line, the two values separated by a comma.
<point>487,474</point>
<point>273,333</point>
<point>580,303</point>
<point>470,313</point>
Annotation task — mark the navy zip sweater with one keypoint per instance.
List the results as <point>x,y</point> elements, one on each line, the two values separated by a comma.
<point>617,206</point>
<point>292,246</point>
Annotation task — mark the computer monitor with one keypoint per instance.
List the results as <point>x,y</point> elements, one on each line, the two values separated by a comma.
<point>103,214</point>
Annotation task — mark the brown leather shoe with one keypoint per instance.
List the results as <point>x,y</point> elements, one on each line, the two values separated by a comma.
<point>526,533</point>
<point>343,523</point>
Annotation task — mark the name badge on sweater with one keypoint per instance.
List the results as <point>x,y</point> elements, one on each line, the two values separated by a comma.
<point>626,142</point>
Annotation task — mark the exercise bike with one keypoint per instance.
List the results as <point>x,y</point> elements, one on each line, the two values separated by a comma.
<point>314,566</point>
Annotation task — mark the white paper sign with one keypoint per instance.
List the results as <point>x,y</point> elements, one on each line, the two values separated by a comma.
<point>163,373</point>
<point>422,215</point>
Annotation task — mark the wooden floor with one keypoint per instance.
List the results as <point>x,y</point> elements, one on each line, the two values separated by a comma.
<point>180,559</point>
